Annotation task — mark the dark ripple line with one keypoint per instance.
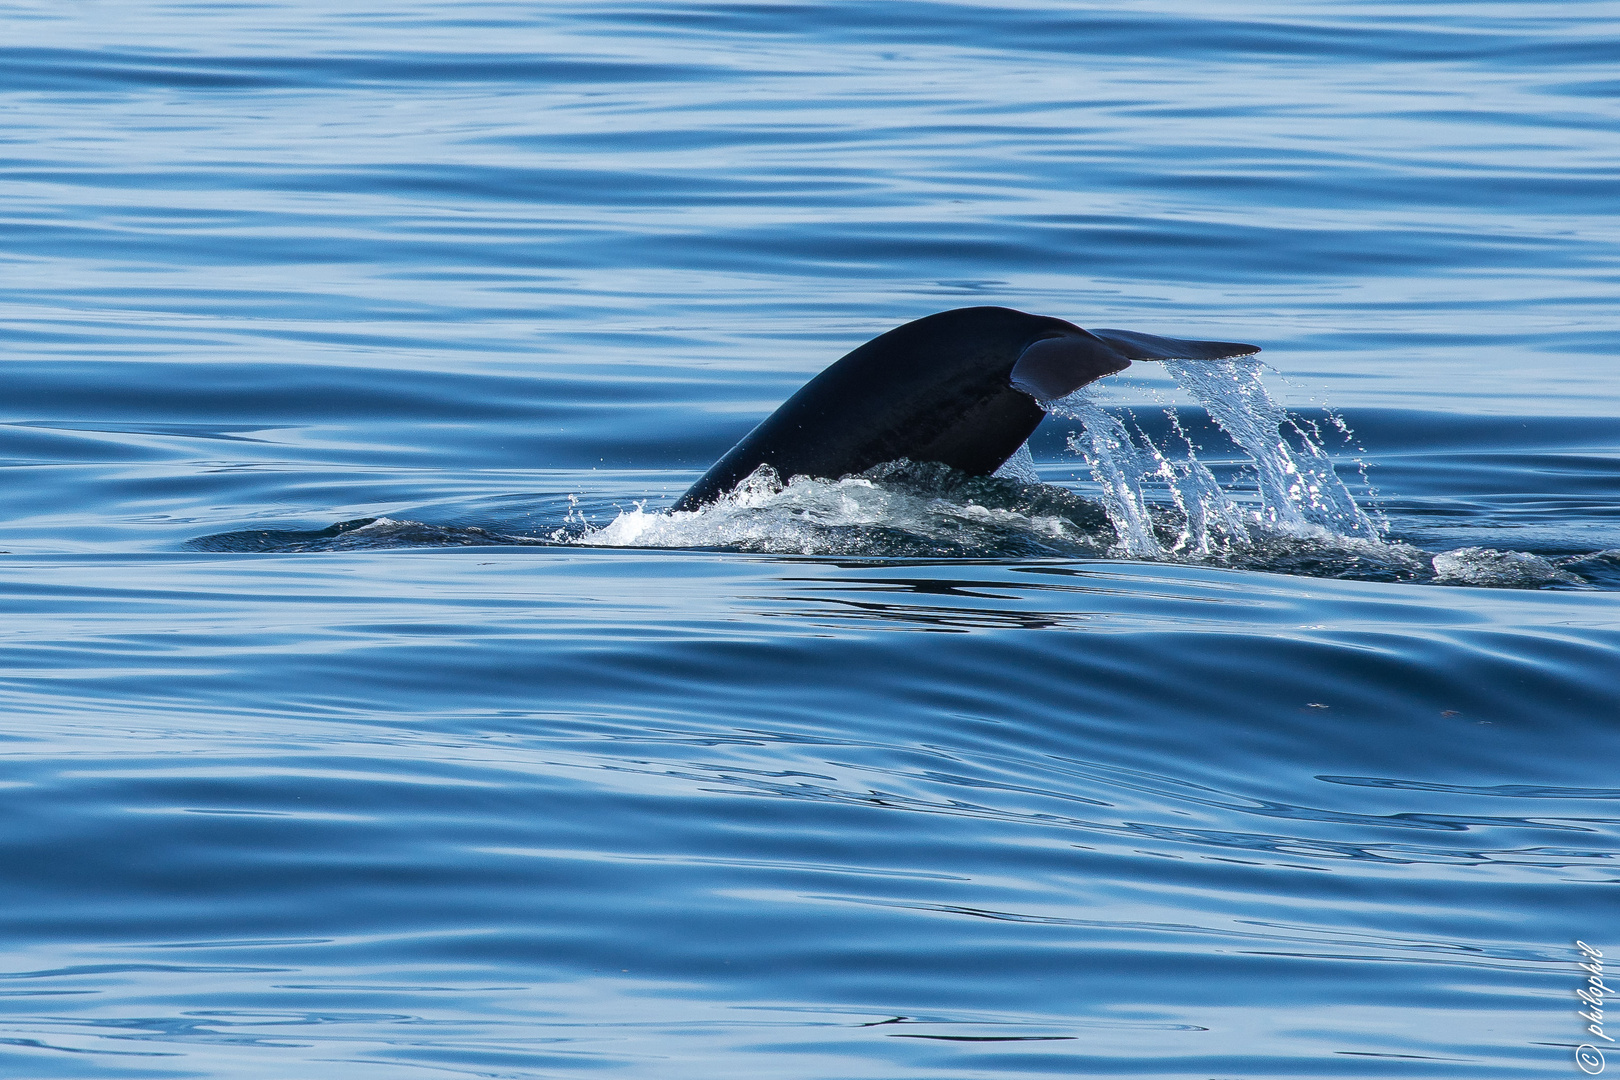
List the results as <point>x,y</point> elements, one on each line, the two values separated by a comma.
<point>119,969</point>
<point>1510,791</point>
<point>44,69</point>
<point>1182,250</point>
<point>1508,45</point>
<point>1415,952</point>
<point>1382,853</point>
<point>40,1044</point>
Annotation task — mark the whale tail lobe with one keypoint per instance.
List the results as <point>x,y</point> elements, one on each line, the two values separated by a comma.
<point>1135,346</point>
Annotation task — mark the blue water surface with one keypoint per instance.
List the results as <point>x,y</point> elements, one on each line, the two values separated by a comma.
<point>361,721</point>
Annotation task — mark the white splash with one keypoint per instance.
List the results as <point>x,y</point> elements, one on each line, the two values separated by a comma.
<point>1020,467</point>
<point>1298,488</point>
<point>1487,566</point>
<point>1121,467</point>
<point>856,515</point>
<point>1300,494</point>
<point>1126,466</point>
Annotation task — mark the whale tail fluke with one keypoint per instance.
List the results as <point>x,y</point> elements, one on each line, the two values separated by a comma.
<point>1135,346</point>
<point>963,388</point>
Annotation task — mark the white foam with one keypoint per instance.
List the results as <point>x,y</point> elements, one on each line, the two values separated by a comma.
<point>1488,566</point>
<point>856,515</point>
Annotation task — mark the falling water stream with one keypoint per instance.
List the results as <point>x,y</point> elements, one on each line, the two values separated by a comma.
<point>1300,494</point>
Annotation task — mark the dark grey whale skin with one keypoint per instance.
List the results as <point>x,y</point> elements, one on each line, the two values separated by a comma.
<point>937,389</point>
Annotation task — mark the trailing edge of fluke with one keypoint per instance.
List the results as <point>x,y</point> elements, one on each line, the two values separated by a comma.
<point>964,387</point>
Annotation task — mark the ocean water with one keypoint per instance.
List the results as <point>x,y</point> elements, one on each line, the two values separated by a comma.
<point>367,715</point>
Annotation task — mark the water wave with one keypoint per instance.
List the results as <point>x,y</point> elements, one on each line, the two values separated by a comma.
<point>1284,509</point>
<point>909,510</point>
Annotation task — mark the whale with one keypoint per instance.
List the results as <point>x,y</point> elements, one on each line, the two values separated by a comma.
<point>965,388</point>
